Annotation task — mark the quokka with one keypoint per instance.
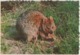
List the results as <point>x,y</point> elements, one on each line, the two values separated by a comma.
<point>34,24</point>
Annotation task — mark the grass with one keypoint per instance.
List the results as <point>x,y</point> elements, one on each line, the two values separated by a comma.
<point>65,15</point>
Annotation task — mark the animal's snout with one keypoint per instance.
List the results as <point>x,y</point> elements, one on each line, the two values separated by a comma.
<point>51,32</point>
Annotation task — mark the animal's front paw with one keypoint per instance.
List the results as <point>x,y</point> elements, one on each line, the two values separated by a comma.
<point>50,36</point>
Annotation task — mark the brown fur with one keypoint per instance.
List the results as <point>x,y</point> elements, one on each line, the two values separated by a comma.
<point>33,23</point>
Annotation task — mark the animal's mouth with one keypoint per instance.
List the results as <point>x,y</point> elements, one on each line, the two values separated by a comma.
<point>51,32</point>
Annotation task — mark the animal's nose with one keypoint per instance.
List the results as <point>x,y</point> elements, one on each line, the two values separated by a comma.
<point>51,32</point>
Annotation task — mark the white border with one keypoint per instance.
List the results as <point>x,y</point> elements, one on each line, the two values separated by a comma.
<point>79,27</point>
<point>39,0</point>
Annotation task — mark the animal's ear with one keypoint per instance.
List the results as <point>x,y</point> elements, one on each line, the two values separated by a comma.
<point>51,19</point>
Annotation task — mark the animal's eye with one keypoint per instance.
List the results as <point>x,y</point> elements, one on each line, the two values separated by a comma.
<point>52,27</point>
<point>48,27</point>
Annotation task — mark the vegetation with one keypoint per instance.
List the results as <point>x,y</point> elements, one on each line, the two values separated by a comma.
<point>65,15</point>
